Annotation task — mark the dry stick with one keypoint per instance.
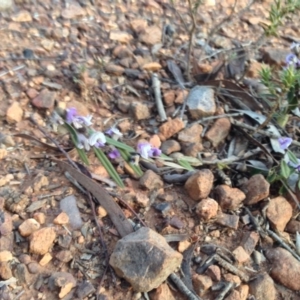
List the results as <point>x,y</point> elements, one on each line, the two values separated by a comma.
<point>182,287</point>
<point>266,133</point>
<point>157,96</point>
<point>229,267</point>
<point>232,158</point>
<point>13,70</point>
<point>223,293</point>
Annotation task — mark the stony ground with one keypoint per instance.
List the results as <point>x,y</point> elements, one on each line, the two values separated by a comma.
<point>100,57</point>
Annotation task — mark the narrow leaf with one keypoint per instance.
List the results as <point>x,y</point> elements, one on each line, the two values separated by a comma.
<point>292,157</point>
<point>185,164</point>
<point>118,144</point>
<point>285,171</point>
<point>83,156</point>
<point>109,167</point>
<point>126,156</point>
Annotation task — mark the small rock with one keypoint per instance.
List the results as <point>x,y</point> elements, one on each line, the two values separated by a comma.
<point>249,241</point>
<point>140,111</point>
<point>279,212</point>
<point>293,226</point>
<point>84,289</point>
<point>228,197</point>
<point>169,128</point>
<point>256,189</point>
<point>163,292</point>
<point>114,69</point>
<point>170,146</point>
<point>262,287</point>
<point>69,206</point>
<point>254,69</point>
<point>200,184</point>
<point>6,225</point>
<point>28,227</point>
<point>40,217</point>
<point>155,141</point>
<point>3,153</point>
<point>47,44</point>
<point>180,97</point>
<point>182,246</point>
<point>285,268</point>
<point>39,181</point>
<point>151,180</point>
<point>22,16</point>
<point>230,221</point>
<point>201,102</point>
<point>176,222</point>
<point>120,36</point>
<point>101,212</point>
<point>191,134</point>
<point>152,66</point>
<point>32,93</point>
<point>62,280</point>
<point>192,149</point>
<point>144,259</point>
<point>138,25</point>
<point>214,272</point>
<point>45,259</point>
<point>5,270</point>
<point>64,256</point>
<point>72,11</point>
<point>207,209</point>
<point>5,179</point>
<point>42,240</point>
<point>14,113</point>
<point>34,267</point>
<point>240,254</point>
<point>64,240</point>
<point>201,283</point>
<point>169,98</point>
<point>219,131</point>
<point>5,256</point>
<point>275,57</point>
<point>24,259</point>
<point>45,99</point>
<point>142,199</point>
<point>232,278</point>
<point>151,35</point>
<point>122,51</point>
<point>5,5</point>
<point>61,219</point>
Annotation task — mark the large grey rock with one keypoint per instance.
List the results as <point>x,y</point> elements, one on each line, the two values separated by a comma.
<point>201,102</point>
<point>144,259</point>
<point>263,287</point>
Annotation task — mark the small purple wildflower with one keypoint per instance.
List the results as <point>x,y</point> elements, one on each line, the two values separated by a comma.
<point>83,142</point>
<point>146,150</point>
<point>284,142</point>
<point>114,133</point>
<point>71,114</point>
<point>114,154</point>
<point>97,139</point>
<point>292,60</point>
<point>78,121</point>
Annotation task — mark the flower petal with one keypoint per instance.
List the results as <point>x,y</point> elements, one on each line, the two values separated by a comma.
<point>285,142</point>
<point>71,113</point>
<point>114,154</point>
<point>85,120</point>
<point>97,137</point>
<point>144,149</point>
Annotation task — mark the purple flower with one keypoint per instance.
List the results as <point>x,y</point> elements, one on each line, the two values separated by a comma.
<point>97,139</point>
<point>83,142</point>
<point>114,133</point>
<point>114,154</point>
<point>284,142</point>
<point>71,114</point>
<point>78,121</point>
<point>146,150</point>
<point>292,60</point>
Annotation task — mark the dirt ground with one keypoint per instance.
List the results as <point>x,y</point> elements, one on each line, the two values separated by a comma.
<point>98,56</point>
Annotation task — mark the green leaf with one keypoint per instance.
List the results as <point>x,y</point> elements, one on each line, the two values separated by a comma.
<point>285,170</point>
<point>185,164</point>
<point>108,167</point>
<point>118,144</point>
<point>193,161</point>
<point>126,156</point>
<point>73,133</point>
<point>292,157</point>
<point>83,156</point>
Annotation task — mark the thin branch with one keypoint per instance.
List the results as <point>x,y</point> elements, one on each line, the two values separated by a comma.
<point>158,99</point>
